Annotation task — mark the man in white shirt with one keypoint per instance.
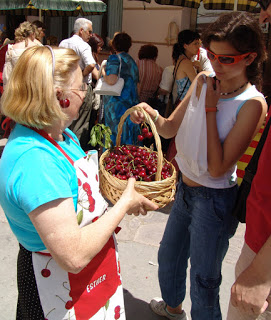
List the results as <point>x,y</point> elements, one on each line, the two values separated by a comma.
<point>79,43</point>
<point>166,82</point>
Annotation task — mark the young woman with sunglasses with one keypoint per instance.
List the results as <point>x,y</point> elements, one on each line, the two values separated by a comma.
<point>200,223</point>
<point>251,291</point>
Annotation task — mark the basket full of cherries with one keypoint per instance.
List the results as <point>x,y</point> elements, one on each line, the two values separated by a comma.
<point>155,176</point>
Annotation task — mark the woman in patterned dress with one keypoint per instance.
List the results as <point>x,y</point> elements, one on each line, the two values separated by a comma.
<point>115,107</point>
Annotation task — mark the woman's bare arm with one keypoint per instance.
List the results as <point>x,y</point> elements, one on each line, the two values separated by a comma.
<point>73,247</point>
<point>221,157</point>
<point>168,128</point>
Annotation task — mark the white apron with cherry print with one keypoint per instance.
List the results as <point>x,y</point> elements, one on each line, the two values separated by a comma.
<point>96,292</point>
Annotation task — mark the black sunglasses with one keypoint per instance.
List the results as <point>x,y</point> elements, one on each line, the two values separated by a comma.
<point>264,4</point>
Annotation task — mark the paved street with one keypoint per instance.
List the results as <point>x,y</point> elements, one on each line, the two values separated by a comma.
<point>138,245</point>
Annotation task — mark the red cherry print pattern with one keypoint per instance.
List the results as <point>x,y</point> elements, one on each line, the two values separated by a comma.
<point>117,312</point>
<point>97,179</point>
<point>79,182</point>
<point>49,313</point>
<point>120,281</point>
<point>95,219</point>
<point>84,173</point>
<point>91,204</point>
<point>86,187</point>
<point>68,304</point>
<point>64,286</point>
<point>46,272</point>
<point>91,200</point>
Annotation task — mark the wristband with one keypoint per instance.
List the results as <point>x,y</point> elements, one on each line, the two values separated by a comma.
<point>211,109</point>
<point>156,117</point>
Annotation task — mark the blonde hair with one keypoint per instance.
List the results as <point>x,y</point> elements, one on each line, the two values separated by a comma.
<point>29,97</point>
<point>24,31</point>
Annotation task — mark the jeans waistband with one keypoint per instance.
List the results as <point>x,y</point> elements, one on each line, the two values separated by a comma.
<point>206,191</point>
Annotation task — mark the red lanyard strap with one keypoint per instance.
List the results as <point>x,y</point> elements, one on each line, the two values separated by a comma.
<point>50,139</point>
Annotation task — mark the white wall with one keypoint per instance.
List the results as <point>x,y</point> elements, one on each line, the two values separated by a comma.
<point>150,25</point>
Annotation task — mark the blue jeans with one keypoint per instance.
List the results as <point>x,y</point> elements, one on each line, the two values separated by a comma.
<point>199,226</point>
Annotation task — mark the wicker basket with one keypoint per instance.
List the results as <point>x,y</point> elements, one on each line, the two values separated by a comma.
<point>159,191</point>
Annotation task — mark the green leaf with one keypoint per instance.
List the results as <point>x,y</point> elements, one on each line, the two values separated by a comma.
<point>107,304</point>
<point>108,142</point>
<point>100,133</point>
<point>80,217</point>
<point>93,140</point>
<point>99,136</point>
<point>108,131</point>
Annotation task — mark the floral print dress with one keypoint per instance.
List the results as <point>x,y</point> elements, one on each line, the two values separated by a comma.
<point>114,106</point>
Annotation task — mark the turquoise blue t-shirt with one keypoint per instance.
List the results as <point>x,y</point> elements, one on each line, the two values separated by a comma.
<point>34,172</point>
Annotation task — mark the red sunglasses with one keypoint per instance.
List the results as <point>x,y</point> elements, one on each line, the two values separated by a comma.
<point>224,59</point>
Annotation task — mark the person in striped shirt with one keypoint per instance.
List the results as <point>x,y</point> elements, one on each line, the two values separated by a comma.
<point>150,73</point>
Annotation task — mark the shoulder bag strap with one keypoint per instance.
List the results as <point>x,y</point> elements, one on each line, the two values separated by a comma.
<point>175,73</point>
<point>174,77</point>
<point>252,166</point>
<point>101,67</point>
<point>120,65</point>
<point>45,135</point>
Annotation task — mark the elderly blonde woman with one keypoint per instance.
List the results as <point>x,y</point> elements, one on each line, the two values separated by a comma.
<point>24,38</point>
<point>49,190</point>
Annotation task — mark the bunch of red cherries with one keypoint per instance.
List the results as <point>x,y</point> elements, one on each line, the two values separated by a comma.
<point>145,133</point>
<point>131,161</point>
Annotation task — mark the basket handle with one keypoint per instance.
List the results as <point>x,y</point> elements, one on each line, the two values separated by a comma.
<point>148,119</point>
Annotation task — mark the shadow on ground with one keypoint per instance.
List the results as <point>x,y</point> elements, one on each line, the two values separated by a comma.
<point>137,309</point>
<point>166,209</point>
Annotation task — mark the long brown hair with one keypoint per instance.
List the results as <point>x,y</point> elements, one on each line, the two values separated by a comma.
<point>243,32</point>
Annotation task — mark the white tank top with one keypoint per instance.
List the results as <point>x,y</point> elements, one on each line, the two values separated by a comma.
<point>225,118</point>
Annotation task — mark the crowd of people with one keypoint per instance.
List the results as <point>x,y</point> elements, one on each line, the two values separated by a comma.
<point>49,178</point>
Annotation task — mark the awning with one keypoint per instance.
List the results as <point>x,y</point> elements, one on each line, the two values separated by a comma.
<point>242,5</point>
<point>52,7</point>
